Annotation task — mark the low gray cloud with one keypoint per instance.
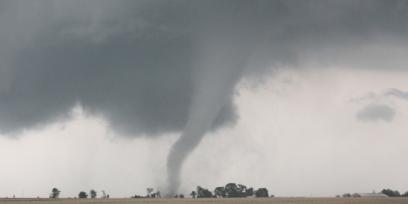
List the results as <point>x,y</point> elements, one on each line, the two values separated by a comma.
<point>376,112</point>
<point>387,94</point>
<point>397,93</point>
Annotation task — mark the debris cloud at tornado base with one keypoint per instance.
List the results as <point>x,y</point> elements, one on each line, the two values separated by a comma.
<point>153,67</point>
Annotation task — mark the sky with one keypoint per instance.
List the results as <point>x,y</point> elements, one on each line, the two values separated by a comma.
<point>306,99</point>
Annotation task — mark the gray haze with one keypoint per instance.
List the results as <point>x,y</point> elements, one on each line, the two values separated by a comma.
<point>154,67</point>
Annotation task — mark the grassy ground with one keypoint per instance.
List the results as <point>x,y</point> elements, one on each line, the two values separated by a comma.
<point>213,201</point>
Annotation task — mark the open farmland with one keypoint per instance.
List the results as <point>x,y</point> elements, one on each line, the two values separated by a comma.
<point>213,201</point>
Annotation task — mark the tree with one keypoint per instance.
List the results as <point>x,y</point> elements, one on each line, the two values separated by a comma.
<point>242,188</point>
<point>92,193</point>
<point>262,193</point>
<point>391,193</point>
<point>219,192</point>
<point>250,192</point>
<point>203,193</point>
<point>149,192</point>
<point>82,194</point>
<point>405,194</point>
<point>346,195</point>
<point>193,194</point>
<point>158,194</point>
<point>356,195</point>
<point>137,196</point>
<point>55,193</point>
<point>232,190</point>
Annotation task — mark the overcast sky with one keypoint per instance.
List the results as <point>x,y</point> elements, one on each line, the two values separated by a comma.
<point>303,98</point>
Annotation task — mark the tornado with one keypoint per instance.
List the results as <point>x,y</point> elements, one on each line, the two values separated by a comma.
<point>221,56</point>
<point>212,91</point>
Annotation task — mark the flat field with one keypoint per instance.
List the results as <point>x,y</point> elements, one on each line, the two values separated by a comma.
<point>214,201</point>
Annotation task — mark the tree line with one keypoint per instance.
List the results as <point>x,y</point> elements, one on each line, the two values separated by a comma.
<point>55,193</point>
<point>394,193</point>
<point>230,190</point>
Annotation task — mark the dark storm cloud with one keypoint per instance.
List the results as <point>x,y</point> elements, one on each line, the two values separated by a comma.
<point>131,61</point>
<point>134,72</point>
<point>376,112</point>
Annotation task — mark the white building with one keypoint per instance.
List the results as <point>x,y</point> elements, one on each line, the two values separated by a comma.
<point>371,195</point>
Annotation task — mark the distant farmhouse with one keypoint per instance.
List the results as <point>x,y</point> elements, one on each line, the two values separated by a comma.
<point>373,195</point>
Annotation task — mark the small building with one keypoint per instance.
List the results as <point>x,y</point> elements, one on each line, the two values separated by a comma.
<point>373,195</point>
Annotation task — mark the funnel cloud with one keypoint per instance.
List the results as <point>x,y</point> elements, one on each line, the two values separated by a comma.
<point>155,67</point>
